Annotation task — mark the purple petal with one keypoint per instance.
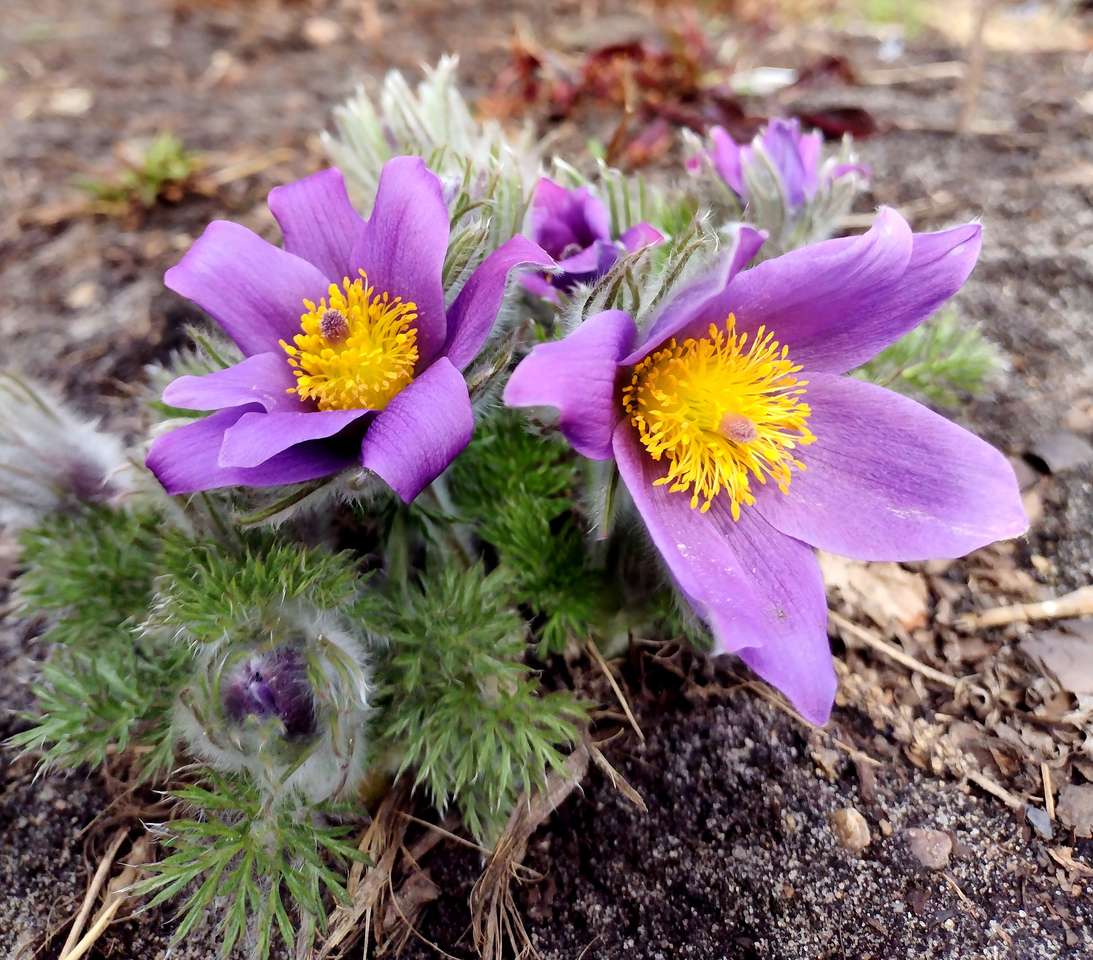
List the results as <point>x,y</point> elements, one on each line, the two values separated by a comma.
<point>185,460</point>
<point>540,285</point>
<point>726,160</point>
<point>888,479</point>
<point>252,289</point>
<point>843,169</point>
<point>264,378</point>
<point>678,313</point>
<point>577,376</point>
<point>403,245</point>
<point>641,235</point>
<point>472,315</point>
<point>756,588</point>
<point>800,665</point>
<point>782,144</point>
<point>258,437</point>
<point>836,303</point>
<point>421,431</point>
<point>591,262</point>
<point>319,222</point>
<point>561,218</point>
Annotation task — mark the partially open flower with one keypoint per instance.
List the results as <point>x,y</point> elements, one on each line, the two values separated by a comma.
<point>794,157</point>
<point>51,458</point>
<point>352,357</point>
<point>744,447</point>
<point>573,226</point>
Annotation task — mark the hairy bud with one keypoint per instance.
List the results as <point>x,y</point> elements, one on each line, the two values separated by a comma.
<point>289,709</point>
<point>51,458</point>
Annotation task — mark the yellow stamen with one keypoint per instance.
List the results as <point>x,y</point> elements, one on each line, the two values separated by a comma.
<point>355,352</point>
<point>722,412</point>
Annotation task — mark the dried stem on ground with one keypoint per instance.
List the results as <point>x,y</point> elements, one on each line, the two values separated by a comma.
<point>495,919</point>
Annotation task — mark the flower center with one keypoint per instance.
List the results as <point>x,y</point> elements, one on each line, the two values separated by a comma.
<point>356,351</point>
<point>723,412</point>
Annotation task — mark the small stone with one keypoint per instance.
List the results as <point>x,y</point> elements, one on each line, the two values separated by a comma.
<point>83,295</point>
<point>322,31</point>
<point>1040,821</point>
<point>850,829</point>
<point>70,102</point>
<point>886,828</point>
<point>1060,451</point>
<point>931,848</point>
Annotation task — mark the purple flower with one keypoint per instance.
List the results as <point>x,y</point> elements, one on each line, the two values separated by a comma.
<point>744,447</point>
<point>573,226</point>
<point>351,355</point>
<point>793,155</point>
<point>272,684</point>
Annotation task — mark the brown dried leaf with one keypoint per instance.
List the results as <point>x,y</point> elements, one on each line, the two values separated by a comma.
<point>885,592</point>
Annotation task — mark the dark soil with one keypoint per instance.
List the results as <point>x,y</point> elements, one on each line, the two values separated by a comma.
<point>735,858</point>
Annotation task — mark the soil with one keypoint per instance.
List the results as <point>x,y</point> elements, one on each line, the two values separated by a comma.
<point>735,857</point>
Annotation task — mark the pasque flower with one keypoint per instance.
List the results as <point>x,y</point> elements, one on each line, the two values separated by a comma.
<point>744,447</point>
<point>573,226</point>
<point>351,356</point>
<point>794,157</point>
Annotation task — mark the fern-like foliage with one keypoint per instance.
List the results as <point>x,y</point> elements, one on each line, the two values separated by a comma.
<point>259,867</point>
<point>460,706</point>
<point>518,489</point>
<point>107,685</point>
<point>216,593</point>
<point>941,362</point>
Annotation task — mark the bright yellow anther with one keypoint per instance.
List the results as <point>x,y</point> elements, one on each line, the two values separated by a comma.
<point>722,412</point>
<point>355,352</point>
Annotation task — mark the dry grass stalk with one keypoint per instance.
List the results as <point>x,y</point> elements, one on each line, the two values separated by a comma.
<point>594,651</point>
<point>495,918</point>
<point>618,781</point>
<point>117,892</point>
<point>382,843</point>
<point>93,889</point>
<point>977,56</point>
<point>890,650</point>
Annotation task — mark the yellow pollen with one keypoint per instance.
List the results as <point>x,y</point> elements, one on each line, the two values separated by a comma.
<point>355,352</point>
<point>723,412</point>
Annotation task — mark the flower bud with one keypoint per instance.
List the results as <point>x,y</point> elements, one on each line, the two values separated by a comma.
<point>268,685</point>
<point>52,459</point>
<point>290,709</point>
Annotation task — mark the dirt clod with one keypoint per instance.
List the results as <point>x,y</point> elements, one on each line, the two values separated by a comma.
<point>931,848</point>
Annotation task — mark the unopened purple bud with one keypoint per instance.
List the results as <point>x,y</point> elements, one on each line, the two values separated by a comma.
<point>272,684</point>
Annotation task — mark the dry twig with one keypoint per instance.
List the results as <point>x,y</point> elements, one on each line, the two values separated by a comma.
<point>890,650</point>
<point>1079,603</point>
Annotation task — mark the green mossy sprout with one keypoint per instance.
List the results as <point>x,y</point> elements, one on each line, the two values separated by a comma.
<point>108,685</point>
<point>518,490</point>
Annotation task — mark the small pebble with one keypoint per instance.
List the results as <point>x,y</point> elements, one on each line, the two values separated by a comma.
<point>850,829</point>
<point>931,848</point>
<point>322,31</point>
